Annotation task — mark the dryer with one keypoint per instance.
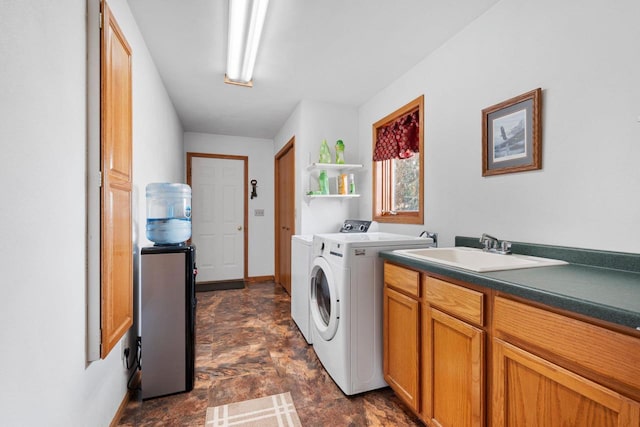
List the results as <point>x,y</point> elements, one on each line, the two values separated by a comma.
<point>346,299</point>
<point>300,263</point>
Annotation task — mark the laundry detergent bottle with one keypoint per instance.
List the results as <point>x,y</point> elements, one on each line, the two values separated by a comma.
<point>323,182</point>
<point>339,152</point>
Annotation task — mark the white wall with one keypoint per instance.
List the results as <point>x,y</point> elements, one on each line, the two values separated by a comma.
<point>260,167</point>
<point>583,54</point>
<point>310,123</point>
<point>290,129</point>
<point>43,95</point>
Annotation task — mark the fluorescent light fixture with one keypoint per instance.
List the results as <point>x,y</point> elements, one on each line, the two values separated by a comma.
<point>246,19</point>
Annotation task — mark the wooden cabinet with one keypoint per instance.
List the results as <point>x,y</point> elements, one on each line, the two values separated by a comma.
<point>531,391</point>
<point>452,355</point>
<point>553,370</point>
<point>401,344</point>
<point>401,333</point>
<point>463,355</point>
<point>434,347</point>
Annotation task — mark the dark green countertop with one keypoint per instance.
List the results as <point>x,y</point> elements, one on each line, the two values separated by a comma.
<point>595,290</point>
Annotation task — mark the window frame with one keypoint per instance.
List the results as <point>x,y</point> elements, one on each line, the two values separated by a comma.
<point>383,176</point>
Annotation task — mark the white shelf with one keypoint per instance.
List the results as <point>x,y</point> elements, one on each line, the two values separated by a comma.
<point>333,166</point>
<point>332,169</point>
<point>310,197</point>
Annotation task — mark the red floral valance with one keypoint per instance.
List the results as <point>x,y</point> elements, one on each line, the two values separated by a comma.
<point>399,139</point>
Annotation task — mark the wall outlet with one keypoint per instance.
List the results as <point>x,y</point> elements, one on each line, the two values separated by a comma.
<point>124,350</point>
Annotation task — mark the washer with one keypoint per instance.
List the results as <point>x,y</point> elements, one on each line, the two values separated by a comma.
<point>346,284</point>
<point>301,258</point>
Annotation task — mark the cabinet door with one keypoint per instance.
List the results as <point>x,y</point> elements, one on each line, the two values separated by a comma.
<point>401,333</point>
<point>453,371</point>
<point>531,391</point>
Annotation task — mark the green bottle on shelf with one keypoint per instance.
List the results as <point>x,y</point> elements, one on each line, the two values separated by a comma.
<point>325,155</point>
<point>323,182</point>
<point>339,152</point>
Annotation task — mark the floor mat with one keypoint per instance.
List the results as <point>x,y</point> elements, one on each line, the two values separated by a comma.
<point>276,410</point>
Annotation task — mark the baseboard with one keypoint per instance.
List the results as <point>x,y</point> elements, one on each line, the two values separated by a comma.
<point>231,284</point>
<point>125,401</point>
<point>219,286</point>
<point>256,279</point>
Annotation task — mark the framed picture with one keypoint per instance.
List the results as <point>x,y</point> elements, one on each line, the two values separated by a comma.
<point>511,135</point>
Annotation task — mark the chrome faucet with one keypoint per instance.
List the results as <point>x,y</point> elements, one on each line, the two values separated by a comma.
<point>492,244</point>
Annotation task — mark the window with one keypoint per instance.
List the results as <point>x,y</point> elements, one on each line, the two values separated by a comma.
<point>398,165</point>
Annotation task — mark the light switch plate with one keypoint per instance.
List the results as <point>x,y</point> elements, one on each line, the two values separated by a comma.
<point>258,212</point>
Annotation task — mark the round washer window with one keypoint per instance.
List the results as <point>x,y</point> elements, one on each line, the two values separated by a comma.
<point>323,297</point>
<point>324,300</point>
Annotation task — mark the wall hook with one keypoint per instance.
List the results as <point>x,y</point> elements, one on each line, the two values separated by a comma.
<point>254,184</point>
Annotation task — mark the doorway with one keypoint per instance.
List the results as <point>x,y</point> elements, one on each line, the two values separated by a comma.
<point>285,212</point>
<point>219,216</point>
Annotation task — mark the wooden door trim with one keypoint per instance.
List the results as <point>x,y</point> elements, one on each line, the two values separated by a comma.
<point>285,149</point>
<point>245,159</point>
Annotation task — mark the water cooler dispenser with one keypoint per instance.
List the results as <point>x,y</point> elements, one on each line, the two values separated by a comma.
<point>168,298</point>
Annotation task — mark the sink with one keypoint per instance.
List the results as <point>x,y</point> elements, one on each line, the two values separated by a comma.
<point>477,259</point>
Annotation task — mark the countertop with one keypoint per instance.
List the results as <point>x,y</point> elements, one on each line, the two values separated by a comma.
<point>595,289</point>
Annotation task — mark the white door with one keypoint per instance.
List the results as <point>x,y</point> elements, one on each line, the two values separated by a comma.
<point>217,186</point>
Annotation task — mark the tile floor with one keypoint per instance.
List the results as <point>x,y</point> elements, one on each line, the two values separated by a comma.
<point>247,346</point>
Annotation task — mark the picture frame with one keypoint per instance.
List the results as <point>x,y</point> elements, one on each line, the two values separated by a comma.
<point>512,135</point>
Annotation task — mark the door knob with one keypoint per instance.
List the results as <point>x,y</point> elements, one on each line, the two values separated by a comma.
<point>239,228</point>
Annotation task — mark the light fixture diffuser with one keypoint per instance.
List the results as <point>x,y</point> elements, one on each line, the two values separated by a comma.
<point>246,20</point>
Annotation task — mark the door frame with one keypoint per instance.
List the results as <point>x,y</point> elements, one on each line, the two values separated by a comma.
<point>245,159</point>
<point>278,215</point>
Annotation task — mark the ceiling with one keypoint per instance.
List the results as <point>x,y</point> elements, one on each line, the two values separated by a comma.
<point>336,51</point>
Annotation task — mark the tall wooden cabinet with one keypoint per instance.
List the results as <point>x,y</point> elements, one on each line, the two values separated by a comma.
<point>480,357</point>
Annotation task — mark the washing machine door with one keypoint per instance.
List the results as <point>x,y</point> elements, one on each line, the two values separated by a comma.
<point>324,299</point>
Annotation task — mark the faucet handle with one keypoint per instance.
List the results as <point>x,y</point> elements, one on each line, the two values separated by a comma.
<point>505,247</point>
<point>486,237</point>
<point>488,241</point>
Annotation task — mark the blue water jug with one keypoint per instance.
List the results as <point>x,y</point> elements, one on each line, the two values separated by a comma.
<point>168,213</point>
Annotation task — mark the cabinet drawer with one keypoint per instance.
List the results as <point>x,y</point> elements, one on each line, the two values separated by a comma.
<point>464,303</point>
<point>402,279</point>
<point>611,357</point>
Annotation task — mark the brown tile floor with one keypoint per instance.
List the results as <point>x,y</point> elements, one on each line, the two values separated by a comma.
<point>247,346</point>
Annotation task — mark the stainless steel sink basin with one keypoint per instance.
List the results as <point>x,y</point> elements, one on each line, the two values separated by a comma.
<point>477,260</point>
